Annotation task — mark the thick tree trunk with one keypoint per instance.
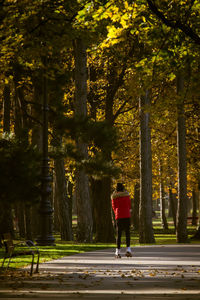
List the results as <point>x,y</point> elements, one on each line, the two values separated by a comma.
<point>62,200</point>
<point>196,236</point>
<point>103,205</point>
<point>6,222</point>
<point>194,207</point>
<point>162,199</point>
<point>146,228</point>
<point>135,207</point>
<point>28,222</point>
<point>22,127</point>
<point>70,200</point>
<point>181,230</point>
<point>173,206</point>
<point>19,211</point>
<point>6,109</point>
<point>82,193</point>
<point>36,138</point>
<point>84,213</point>
<point>102,210</point>
<point>37,112</point>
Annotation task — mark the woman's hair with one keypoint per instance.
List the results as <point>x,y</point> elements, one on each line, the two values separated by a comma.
<point>120,187</point>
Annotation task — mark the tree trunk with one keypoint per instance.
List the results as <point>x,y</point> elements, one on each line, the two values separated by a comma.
<point>194,207</point>
<point>28,222</point>
<point>6,109</point>
<point>21,121</point>
<point>162,199</point>
<point>70,199</point>
<point>136,204</point>
<point>6,221</point>
<point>19,210</point>
<point>36,138</point>
<point>181,230</point>
<point>196,236</point>
<point>37,112</point>
<point>82,193</point>
<point>62,200</point>
<point>173,206</point>
<point>146,228</point>
<point>102,210</point>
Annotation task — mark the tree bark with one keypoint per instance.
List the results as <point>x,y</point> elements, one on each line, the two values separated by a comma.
<point>28,222</point>
<point>37,112</point>
<point>181,230</point>
<point>136,204</point>
<point>19,210</point>
<point>194,207</point>
<point>62,200</point>
<point>146,228</point>
<point>162,199</point>
<point>82,193</point>
<point>196,236</point>
<point>102,210</point>
<point>36,137</point>
<point>173,206</point>
<point>6,220</point>
<point>6,108</point>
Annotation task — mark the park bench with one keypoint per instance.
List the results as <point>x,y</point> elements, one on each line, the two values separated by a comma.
<point>19,249</point>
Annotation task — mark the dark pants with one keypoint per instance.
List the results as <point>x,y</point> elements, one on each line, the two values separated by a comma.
<point>123,225</point>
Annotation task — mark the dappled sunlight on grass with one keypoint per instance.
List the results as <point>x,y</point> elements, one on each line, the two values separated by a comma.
<point>60,249</point>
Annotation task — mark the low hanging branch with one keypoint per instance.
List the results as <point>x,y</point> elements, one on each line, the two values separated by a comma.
<point>177,24</point>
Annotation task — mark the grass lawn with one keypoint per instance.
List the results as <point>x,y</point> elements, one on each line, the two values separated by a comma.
<point>47,253</point>
<point>63,248</point>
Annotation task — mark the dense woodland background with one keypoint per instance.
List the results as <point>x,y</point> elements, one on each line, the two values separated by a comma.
<point>122,83</point>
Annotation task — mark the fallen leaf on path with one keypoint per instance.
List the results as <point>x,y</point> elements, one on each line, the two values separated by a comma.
<point>152,274</point>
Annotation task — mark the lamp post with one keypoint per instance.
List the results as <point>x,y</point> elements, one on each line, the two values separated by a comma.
<point>45,211</point>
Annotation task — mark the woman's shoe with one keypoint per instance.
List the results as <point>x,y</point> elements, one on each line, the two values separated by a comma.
<point>117,253</point>
<point>128,252</point>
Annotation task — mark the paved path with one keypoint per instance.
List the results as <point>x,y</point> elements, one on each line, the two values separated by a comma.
<point>154,272</point>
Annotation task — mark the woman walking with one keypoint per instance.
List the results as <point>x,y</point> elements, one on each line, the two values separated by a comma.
<point>121,204</point>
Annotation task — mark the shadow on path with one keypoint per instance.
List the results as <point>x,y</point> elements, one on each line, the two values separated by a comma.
<point>154,272</point>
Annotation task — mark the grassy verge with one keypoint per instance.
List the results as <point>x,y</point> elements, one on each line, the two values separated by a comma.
<point>47,253</point>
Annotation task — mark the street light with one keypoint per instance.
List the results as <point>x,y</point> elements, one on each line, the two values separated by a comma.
<point>45,211</point>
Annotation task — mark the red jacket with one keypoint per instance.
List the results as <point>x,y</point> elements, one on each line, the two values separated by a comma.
<point>121,204</point>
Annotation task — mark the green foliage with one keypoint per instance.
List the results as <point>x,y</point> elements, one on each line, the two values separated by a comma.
<point>98,167</point>
<point>20,171</point>
<point>100,133</point>
<point>100,137</point>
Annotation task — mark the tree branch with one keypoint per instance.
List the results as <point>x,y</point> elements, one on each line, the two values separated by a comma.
<point>174,24</point>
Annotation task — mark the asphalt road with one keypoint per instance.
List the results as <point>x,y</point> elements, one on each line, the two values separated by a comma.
<point>153,273</point>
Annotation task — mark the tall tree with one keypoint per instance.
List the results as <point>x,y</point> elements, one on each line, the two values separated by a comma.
<point>146,229</point>
<point>181,229</point>
<point>62,199</point>
<point>6,222</point>
<point>135,207</point>
<point>162,198</point>
<point>82,192</point>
